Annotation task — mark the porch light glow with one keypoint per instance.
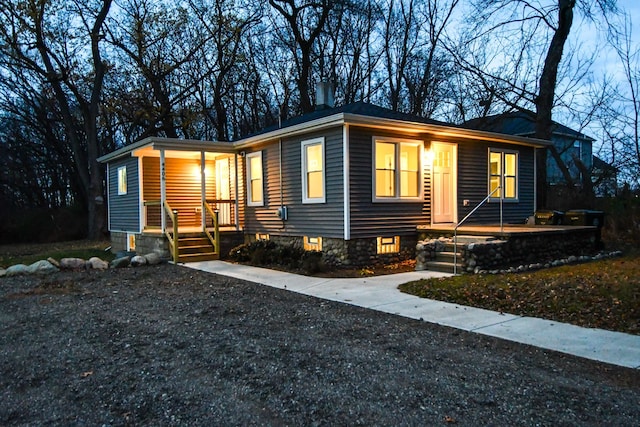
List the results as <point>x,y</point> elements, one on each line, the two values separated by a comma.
<point>427,156</point>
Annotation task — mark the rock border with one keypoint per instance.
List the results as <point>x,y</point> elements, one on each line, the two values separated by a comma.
<point>51,265</point>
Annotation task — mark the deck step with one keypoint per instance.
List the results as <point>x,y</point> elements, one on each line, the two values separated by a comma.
<point>205,256</point>
<point>441,266</point>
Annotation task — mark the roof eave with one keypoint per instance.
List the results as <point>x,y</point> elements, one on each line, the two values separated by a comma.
<point>159,143</point>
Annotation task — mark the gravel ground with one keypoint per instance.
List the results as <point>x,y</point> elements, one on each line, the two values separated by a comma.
<point>168,345</point>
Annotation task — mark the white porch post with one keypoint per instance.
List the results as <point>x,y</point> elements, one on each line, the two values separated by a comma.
<point>203,191</point>
<point>163,190</point>
<point>237,192</point>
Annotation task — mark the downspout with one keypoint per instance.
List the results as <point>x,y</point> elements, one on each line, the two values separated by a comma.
<point>236,192</point>
<point>535,179</point>
<point>280,173</point>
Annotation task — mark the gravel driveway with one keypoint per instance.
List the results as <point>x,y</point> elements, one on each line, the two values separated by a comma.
<point>168,345</point>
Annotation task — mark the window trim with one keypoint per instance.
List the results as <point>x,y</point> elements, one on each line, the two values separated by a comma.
<point>121,174</point>
<point>503,176</point>
<point>398,176</point>
<point>312,243</point>
<point>383,246</point>
<point>248,157</point>
<point>303,157</point>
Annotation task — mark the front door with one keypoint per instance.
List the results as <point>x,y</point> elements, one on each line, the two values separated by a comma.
<point>444,182</point>
<point>223,191</point>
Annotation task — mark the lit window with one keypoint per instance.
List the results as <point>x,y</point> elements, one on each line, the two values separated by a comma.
<point>131,242</point>
<point>503,174</point>
<point>254,179</point>
<point>262,236</point>
<point>397,173</point>
<point>388,245</point>
<point>122,180</point>
<point>313,171</point>
<point>312,243</point>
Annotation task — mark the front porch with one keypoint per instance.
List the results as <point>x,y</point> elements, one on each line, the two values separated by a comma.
<point>189,199</point>
<point>479,248</point>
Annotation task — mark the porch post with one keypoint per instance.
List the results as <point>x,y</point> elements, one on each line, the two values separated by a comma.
<point>163,191</point>
<point>203,192</point>
<point>237,192</point>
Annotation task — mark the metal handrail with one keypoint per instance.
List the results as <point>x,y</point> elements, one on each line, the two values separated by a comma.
<point>455,229</point>
<point>173,241</point>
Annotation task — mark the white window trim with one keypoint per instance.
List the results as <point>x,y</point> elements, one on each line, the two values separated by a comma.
<point>397,142</point>
<point>122,180</point>
<point>248,158</point>
<point>502,152</point>
<point>303,156</point>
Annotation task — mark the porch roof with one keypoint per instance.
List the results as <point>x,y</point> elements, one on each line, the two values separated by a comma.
<point>169,144</point>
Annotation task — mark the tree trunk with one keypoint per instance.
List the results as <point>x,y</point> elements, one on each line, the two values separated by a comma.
<point>546,93</point>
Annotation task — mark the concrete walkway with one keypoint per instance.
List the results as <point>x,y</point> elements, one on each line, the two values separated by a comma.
<point>381,293</point>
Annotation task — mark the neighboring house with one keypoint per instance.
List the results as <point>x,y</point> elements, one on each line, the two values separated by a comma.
<point>570,144</point>
<point>354,181</point>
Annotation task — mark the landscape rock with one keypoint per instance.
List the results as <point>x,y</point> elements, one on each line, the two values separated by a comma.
<point>3,272</point>
<point>138,260</point>
<point>153,258</point>
<point>16,270</point>
<point>41,267</point>
<point>97,263</point>
<point>120,262</point>
<point>73,264</point>
<point>53,262</point>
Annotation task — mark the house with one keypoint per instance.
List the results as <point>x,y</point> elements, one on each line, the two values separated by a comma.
<point>570,144</point>
<point>354,181</point>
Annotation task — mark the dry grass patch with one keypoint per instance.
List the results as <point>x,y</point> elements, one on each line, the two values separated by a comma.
<point>603,294</point>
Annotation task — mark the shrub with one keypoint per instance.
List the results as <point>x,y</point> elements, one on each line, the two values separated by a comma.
<point>269,253</point>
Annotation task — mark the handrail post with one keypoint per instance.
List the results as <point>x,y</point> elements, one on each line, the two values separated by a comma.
<point>216,231</point>
<point>176,248</point>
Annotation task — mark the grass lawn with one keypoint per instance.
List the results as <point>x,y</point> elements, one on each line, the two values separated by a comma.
<point>602,294</point>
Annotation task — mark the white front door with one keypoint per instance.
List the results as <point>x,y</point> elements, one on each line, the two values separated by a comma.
<point>223,191</point>
<point>443,192</point>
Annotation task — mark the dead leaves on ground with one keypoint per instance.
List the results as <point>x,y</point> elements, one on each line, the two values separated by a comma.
<point>603,294</point>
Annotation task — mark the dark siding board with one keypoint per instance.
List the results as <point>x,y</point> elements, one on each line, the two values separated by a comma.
<point>369,219</point>
<point>124,210</point>
<point>316,219</point>
<point>473,157</point>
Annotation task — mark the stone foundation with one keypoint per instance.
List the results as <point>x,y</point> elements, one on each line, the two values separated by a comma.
<point>352,253</point>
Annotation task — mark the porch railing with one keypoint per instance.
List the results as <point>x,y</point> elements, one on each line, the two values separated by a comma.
<point>226,209</point>
<point>455,229</point>
<point>215,239</point>
<point>173,240</point>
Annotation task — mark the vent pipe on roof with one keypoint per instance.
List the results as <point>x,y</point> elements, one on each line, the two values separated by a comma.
<point>324,95</point>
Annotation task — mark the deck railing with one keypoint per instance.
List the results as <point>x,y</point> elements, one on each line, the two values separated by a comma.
<point>455,229</point>
<point>215,239</point>
<point>173,240</point>
<point>226,209</point>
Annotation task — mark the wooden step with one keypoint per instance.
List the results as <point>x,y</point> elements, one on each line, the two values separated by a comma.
<point>443,267</point>
<point>205,256</point>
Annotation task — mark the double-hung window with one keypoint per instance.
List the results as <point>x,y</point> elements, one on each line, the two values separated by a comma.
<point>313,177</point>
<point>255,195</point>
<point>397,174</point>
<point>122,180</point>
<point>503,174</point>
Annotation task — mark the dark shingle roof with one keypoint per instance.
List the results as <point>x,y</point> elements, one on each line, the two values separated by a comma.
<point>358,108</point>
<point>522,123</point>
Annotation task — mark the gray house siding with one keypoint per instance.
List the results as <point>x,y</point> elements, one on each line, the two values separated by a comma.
<point>124,210</point>
<point>312,219</point>
<point>369,219</point>
<point>473,166</point>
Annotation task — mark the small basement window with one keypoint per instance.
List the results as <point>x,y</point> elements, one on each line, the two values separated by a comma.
<point>388,245</point>
<point>312,243</point>
<point>131,242</point>
<point>262,236</point>
<point>122,180</point>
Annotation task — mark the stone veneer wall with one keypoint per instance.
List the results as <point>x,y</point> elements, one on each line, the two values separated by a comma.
<point>529,249</point>
<point>353,253</point>
<point>520,249</point>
